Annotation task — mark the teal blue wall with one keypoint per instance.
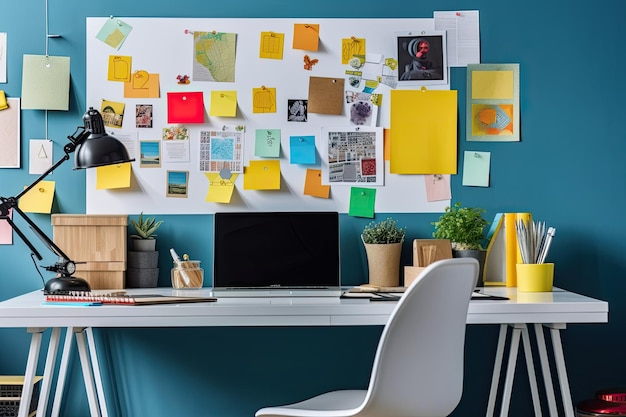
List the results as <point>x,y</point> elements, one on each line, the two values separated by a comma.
<point>568,170</point>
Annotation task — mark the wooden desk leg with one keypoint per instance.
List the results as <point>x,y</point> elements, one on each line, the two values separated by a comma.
<point>31,369</point>
<point>530,366</point>
<point>497,367</point>
<point>65,357</point>
<point>85,361</point>
<point>545,370</point>
<point>93,354</point>
<point>48,373</point>
<point>561,370</point>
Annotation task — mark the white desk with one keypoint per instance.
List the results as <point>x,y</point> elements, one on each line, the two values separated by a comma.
<point>551,310</point>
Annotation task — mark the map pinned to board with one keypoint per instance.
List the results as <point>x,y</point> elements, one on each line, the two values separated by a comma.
<point>214,56</point>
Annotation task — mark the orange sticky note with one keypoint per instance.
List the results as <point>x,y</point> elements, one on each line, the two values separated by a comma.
<point>113,176</point>
<point>262,175</point>
<point>313,184</point>
<point>306,36</point>
<point>386,143</point>
<point>142,85</point>
<point>263,100</point>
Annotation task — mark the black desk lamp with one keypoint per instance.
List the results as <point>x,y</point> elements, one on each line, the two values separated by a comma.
<point>94,148</point>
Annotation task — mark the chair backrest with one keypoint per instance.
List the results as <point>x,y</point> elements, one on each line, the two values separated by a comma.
<point>418,367</point>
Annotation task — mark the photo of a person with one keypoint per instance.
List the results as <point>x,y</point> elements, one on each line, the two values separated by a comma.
<point>421,58</point>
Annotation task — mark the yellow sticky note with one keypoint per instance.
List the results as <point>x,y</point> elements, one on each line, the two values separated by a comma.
<point>142,85</point>
<point>220,189</point>
<point>263,100</point>
<point>492,85</point>
<point>306,36</point>
<point>119,68</point>
<point>38,199</point>
<point>425,144</point>
<point>113,176</point>
<point>313,184</point>
<point>223,103</point>
<point>351,47</point>
<point>272,45</point>
<point>262,175</point>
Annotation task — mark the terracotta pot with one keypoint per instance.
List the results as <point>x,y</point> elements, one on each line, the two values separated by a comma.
<point>383,262</point>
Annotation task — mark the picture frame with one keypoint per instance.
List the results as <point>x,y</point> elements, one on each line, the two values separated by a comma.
<point>414,69</point>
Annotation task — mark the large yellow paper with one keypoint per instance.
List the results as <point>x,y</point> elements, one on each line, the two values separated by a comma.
<point>223,103</point>
<point>423,132</point>
<point>262,175</point>
<point>119,68</point>
<point>142,85</point>
<point>492,85</point>
<point>46,82</point>
<point>38,199</point>
<point>306,36</point>
<point>272,45</point>
<point>113,176</point>
<point>220,189</point>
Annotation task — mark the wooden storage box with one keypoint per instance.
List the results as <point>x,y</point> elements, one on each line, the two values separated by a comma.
<point>98,243</point>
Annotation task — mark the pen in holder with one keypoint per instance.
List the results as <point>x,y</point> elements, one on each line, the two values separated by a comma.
<point>534,274</point>
<point>186,273</point>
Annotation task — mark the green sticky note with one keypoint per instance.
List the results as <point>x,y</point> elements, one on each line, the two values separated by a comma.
<point>267,143</point>
<point>362,202</point>
<point>46,82</point>
<point>476,168</point>
<point>114,32</point>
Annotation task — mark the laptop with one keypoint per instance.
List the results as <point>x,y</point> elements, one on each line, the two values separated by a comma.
<point>274,254</point>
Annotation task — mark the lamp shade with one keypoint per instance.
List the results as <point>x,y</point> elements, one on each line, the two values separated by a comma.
<point>100,148</point>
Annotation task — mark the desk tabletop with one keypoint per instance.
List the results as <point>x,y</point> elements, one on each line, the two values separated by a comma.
<point>28,310</point>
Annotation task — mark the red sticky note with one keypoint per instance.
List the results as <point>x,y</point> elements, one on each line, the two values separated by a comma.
<point>186,107</point>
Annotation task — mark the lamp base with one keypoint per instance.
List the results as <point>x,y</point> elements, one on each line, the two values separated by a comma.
<point>65,284</point>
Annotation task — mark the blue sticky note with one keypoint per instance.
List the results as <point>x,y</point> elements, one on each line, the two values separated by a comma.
<point>302,150</point>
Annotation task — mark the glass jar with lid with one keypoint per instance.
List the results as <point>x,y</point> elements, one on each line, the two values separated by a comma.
<point>187,274</point>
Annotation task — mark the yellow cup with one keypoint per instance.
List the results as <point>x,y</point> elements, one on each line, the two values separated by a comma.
<point>535,277</point>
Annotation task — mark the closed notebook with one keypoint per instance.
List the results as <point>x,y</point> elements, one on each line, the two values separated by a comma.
<point>147,299</point>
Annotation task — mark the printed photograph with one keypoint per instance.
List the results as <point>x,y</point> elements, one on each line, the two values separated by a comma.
<point>421,58</point>
<point>150,154</point>
<point>177,183</point>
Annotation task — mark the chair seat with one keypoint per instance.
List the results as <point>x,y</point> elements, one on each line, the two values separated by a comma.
<point>343,403</point>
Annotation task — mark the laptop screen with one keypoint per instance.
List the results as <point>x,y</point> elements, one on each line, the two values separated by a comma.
<point>276,250</point>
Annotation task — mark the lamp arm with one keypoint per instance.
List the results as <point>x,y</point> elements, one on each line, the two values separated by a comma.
<point>22,236</point>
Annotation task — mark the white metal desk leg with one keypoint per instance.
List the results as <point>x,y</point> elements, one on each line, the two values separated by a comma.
<point>530,366</point>
<point>48,373</point>
<point>497,367</point>
<point>31,369</point>
<point>96,371</point>
<point>561,370</point>
<point>65,357</point>
<point>545,370</point>
<point>510,369</point>
<point>85,362</point>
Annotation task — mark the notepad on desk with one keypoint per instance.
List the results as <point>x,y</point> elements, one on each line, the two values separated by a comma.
<point>123,299</point>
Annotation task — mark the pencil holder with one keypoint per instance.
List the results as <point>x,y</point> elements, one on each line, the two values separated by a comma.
<point>187,274</point>
<point>535,277</point>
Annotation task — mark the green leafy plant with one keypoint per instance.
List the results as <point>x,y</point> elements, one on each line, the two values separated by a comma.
<point>463,226</point>
<point>145,227</point>
<point>384,231</point>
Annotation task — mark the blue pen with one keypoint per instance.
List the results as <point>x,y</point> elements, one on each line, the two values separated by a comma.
<point>72,303</point>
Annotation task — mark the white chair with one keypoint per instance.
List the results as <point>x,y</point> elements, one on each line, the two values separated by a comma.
<point>418,367</point>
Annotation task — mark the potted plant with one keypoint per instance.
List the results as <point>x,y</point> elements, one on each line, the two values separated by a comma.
<point>144,236</point>
<point>383,246</point>
<point>465,228</point>
<point>143,260</point>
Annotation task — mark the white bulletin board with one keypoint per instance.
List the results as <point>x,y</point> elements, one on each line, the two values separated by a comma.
<point>164,46</point>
